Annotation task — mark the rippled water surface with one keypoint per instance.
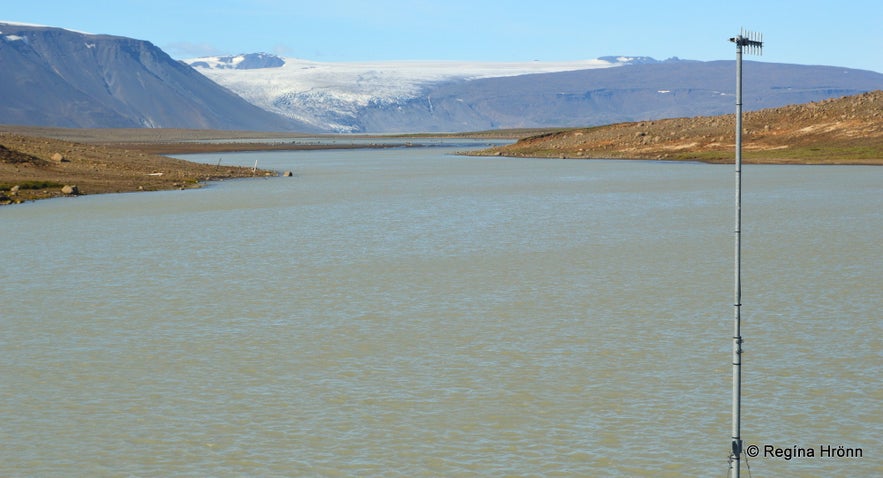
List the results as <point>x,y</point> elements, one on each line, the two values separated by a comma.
<point>408,312</point>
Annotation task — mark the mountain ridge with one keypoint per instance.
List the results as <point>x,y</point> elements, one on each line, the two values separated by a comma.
<point>63,78</point>
<point>333,96</point>
<point>59,77</point>
<point>383,97</point>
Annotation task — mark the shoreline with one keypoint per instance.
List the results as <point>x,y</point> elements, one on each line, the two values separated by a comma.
<point>53,165</point>
<point>241,147</point>
<point>39,167</point>
<point>43,163</point>
<point>38,162</point>
<point>716,157</point>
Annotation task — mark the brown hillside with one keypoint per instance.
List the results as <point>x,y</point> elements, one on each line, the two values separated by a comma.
<point>846,130</point>
<point>38,168</point>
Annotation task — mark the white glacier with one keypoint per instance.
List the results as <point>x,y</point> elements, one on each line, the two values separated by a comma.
<point>328,94</point>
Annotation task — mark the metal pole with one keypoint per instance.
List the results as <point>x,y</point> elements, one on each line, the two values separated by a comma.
<point>736,451</point>
<point>753,44</point>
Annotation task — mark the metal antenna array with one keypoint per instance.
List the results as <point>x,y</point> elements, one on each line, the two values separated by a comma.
<point>752,42</point>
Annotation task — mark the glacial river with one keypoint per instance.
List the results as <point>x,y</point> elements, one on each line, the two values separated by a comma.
<point>409,312</point>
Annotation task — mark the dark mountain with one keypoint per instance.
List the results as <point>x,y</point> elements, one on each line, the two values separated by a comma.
<point>56,77</point>
<point>640,91</point>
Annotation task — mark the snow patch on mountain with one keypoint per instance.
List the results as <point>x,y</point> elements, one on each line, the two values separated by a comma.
<point>330,95</point>
<point>247,61</point>
<point>36,25</point>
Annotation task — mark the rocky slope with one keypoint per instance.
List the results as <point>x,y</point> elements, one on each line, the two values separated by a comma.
<point>40,168</point>
<point>846,130</point>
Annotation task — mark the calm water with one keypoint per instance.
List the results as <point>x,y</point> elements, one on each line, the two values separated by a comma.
<point>412,313</point>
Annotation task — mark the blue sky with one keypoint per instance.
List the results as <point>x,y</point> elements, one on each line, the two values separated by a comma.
<point>845,33</point>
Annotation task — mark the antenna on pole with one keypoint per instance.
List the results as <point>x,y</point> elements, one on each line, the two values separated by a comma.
<point>752,42</point>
